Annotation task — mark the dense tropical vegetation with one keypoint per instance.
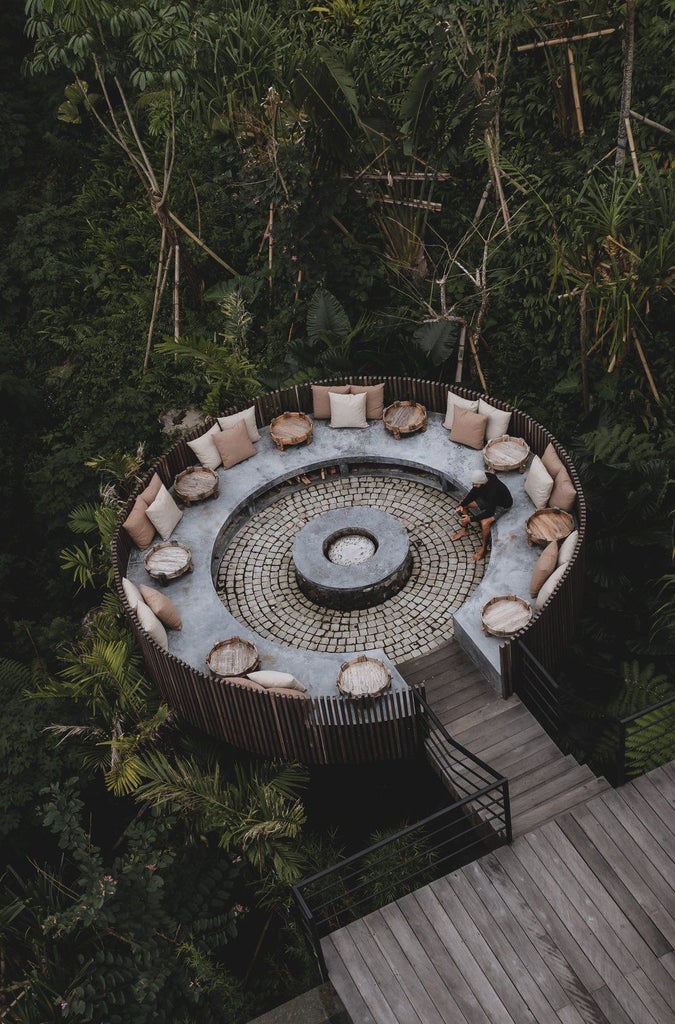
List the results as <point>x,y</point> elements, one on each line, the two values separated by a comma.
<point>205,198</point>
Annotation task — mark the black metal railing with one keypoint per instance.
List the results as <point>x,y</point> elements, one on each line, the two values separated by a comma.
<point>619,747</point>
<point>478,820</point>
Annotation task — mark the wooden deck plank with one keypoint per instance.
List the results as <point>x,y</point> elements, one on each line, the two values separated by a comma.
<point>387,979</point>
<point>359,970</point>
<point>487,711</point>
<point>604,919</point>
<point>642,836</point>
<point>596,865</point>
<point>502,950</point>
<point>662,980</point>
<point>608,956</point>
<point>345,985</point>
<point>511,926</point>
<point>570,1015</point>
<point>618,847</point>
<point>413,947</point>
<point>655,1006</point>
<point>663,784</point>
<point>558,805</point>
<point>414,917</point>
<point>661,828</point>
<point>618,1008</point>
<point>472,972</point>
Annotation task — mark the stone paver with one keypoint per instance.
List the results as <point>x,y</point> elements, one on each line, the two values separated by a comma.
<point>256,580</point>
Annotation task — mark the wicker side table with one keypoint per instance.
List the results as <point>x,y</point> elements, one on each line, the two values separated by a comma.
<point>196,483</point>
<point>363,677</point>
<point>291,428</point>
<point>404,418</point>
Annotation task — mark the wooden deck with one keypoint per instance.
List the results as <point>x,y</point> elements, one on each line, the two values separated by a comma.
<point>572,924</point>
<point>543,782</point>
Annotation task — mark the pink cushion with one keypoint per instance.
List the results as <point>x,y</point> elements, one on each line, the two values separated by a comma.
<point>563,494</point>
<point>138,526</point>
<point>374,399</point>
<point>468,428</point>
<point>546,563</point>
<point>321,401</point>
<point>234,445</point>
<point>162,606</point>
<point>551,461</point>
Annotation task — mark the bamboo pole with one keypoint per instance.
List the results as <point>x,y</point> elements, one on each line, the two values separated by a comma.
<point>565,39</point>
<point>295,305</point>
<point>156,300</point>
<point>652,124</point>
<point>460,354</point>
<point>176,294</point>
<point>645,367</point>
<point>575,89</point>
<point>631,146</point>
<point>270,246</point>
<point>202,245</point>
<point>479,368</point>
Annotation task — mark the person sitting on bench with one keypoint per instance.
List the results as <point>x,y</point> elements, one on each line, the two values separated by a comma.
<point>485,502</point>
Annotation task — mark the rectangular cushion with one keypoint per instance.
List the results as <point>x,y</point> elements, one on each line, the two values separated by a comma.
<point>563,495</point>
<point>164,513</point>
<point>138,526</point>
<point>248,416</point>
<point>321,401</point>
<point>152,490</point>
<point>552,461</point>
<point>205,449</point>
<point>539,483</point>
<point>374,399</point>
<point>498,420</point>
<point>234,444</point>
<point>455,402</point>
<point>162,606</point>
<point>151,624</point>
<point>546,564</point>
<point>468,427</point>
<point>347,411</point>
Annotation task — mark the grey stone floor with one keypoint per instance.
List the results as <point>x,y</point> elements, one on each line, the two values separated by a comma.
<point>208,619</point>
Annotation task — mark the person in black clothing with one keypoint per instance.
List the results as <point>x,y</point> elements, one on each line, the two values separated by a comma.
<point>486,500</point>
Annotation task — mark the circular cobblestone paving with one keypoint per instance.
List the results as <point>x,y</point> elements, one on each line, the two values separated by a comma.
<point>256,578</point>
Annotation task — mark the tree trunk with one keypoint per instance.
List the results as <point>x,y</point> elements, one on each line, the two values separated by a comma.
<point>627,85</point>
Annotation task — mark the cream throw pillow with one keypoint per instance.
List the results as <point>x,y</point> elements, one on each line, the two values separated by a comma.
<point>248,416</point>
<point>131,592</point>
<point>152,626</point>
<point>454,401</point>
<point>497,420</point>
<point>271,680</point>
<point>549,586</point>
<point>347,411</point>
<point>546,564</point>
<point>162,606</point>
<point>568,547</point>
<point>205,449</point>
<point>539,483</point>
<point>164,513</point>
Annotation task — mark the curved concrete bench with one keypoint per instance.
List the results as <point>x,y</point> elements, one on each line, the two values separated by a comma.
<point>206,620</point>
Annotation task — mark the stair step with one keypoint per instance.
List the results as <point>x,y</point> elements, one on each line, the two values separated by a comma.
<point>563,802</point>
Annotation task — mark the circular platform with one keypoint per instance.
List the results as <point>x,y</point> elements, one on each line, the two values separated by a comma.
<point>352,558</point>
<point>256,579</point>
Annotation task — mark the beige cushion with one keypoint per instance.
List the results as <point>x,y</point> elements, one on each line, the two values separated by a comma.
<point>567,547</point>
<point>468,428</point>
<point>321,401</point>
<point>498,420</point>
<point>546,564</point>
<point>152,490</point>
<point>205,449</point>
<point>152,626</point>
<point>271,680</point>
<point>552,461</point>
<point>549,586</point>
<point>138,526</point>
<point>563,494</point>
<point>283,691</point>
<point>347,411</point>
<point>131,592</point>
<point>455,402</point>
<point>374,399</point>
<point>248,416</point>
<point>539,483</point>
<point>164,513</point>
<point>162,606</point>
<point>240,681</point>
<point>234,445</point>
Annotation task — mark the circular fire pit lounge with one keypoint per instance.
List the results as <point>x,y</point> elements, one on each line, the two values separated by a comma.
<point>352,558</point>
<point>324,727</point>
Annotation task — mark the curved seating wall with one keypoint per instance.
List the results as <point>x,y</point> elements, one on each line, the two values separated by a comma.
<point>326,730</point>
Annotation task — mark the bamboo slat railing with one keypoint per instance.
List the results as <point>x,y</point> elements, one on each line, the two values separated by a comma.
<point>332,730</point>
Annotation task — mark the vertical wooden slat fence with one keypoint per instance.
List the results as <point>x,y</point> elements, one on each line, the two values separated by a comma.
<point>330,730</point>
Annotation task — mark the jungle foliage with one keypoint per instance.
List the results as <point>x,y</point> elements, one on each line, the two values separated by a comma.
<point>204,199</point>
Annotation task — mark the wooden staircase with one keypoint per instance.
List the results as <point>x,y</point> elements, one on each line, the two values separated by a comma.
<point>543,782</point>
